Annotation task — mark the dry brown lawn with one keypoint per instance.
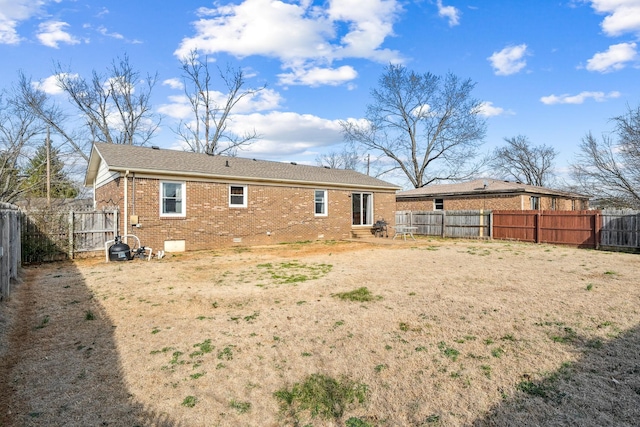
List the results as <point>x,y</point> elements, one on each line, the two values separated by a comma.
<point>458,333</point>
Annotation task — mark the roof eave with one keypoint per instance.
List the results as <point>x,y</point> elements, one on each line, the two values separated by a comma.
<point>202,175</point>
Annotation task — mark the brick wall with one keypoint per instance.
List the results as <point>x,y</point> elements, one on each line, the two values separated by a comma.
<point>504,202</point>
<point>273,214</point>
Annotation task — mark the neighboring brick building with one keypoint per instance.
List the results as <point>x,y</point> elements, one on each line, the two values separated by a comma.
<point>488,194</point>
<point>176,200</point>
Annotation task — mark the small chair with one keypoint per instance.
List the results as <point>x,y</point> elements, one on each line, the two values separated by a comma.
<point>380,227</point>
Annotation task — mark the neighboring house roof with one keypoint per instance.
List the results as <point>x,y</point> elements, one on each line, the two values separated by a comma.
<point>484,186</point>
<point>154,161</point>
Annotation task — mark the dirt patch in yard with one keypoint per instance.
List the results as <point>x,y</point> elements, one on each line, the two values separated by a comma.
<point>433,332</point>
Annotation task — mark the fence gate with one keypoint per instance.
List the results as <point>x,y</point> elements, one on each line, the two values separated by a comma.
<point>620,228</point>
<point>49,235</point>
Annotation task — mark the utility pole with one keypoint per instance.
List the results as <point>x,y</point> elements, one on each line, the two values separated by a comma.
<point>368,161</point>
<point>48,146</point>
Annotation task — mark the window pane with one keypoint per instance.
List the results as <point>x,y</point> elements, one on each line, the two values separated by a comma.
<point>320,202</point>
<point>236,196</point>
<point>172,198</point>
<point>171,190</point>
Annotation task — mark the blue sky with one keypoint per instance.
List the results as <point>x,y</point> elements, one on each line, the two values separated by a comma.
<point>549,70</point>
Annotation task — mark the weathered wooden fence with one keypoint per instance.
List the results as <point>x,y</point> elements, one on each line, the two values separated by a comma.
<point>474,224</point>
<point>53,235</point>
<point>576,228</point>
<point>592,229</point>
<point>9,247</point>
<point>620,228</point>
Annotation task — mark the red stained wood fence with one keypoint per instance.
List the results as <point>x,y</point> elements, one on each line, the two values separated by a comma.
<point>576,228</point>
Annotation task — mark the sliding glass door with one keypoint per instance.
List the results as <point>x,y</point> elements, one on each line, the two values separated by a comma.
<point>362,208</point>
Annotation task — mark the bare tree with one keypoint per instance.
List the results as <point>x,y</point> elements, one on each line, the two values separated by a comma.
<point>116,106</point>
<point>19,130</point>
<point>429,126</point>
<point>523,162</point>
<point>206,131</point>
<point>347,158</point>
<point>610,168</point>
<point>52,115</point>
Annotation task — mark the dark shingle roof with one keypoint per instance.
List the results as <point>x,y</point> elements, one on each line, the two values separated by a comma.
<point>478,187</point>
<point>188,164</point>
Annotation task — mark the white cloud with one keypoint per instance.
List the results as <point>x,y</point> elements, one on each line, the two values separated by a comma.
<point>613,59</point>
<point>179,106</point>
<point>579,98</point>
<point>103,30</point>
<point>12,12</point>
<point>305,37</point>
<point>623,16</point>
<point>487,109</point>
<point>286,134</point>
<point>449,12</point>
<point>173,83</point>
<point>509,60</point>
<point>319,76</point>
<point>50,84</point>
<point>51,33</point>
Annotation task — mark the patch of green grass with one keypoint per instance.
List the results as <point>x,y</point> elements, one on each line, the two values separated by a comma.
<point>486,370</point>
<point>449,352</point>
<point>197,375</point>
<point>595,343</point>
<point>381,367</point>
<point>306,354</point>
<point>497,352</point>
<point>252,317</point>
<point>433,418</point>
<point>204,347</point>
<point>189,401</point>
<point>404,327</point>
<point>589,286</point>
<point>532,388</point>
<point>610,273</point>
<point>568,336</point>
<point>88,315</point>
<point>155,330</point>
<point>241,407</point>
<point>356,422</point>
<point>295,272</point>
<point>226,353</point>
<point>44,322</point>
<point>360,295</point>
<point>322,396</point>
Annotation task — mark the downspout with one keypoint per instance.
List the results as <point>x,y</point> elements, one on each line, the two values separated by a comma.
<point>125,220</point>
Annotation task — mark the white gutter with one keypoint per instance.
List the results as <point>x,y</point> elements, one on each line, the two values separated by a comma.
<point>125,221</point>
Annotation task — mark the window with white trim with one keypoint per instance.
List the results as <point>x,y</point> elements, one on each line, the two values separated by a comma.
<point>237,196</point>
<point>172,199</point>
<point>535,203</point>
<point>320,202</point>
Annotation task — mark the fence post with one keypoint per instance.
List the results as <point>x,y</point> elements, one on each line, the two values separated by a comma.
<point>443,214</point>
<point>491,225</point>
<point>538,226</point>
<point>481,228</point>
<point>71,235</point>
<point>597,229</point>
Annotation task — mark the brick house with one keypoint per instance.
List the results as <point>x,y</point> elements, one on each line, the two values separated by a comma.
<point>488,194</point>
<point>175,200</point>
